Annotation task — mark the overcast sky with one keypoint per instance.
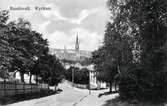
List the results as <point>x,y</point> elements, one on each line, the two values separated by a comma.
<point>66,18</point>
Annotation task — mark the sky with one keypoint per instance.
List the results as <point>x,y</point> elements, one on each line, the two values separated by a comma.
<point>64,21</point>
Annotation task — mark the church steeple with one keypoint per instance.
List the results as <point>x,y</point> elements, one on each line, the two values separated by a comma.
<point>77,44</point>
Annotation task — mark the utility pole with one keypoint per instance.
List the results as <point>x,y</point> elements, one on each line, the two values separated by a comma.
<point>89,82</point>
<point>73,77</point>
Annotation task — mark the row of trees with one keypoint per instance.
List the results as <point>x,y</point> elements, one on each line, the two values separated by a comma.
<point>23,49</point>
<point>134,49</point>
<point>81,76</point>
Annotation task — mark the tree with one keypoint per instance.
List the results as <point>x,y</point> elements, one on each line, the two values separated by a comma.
<point>81,76</point>
<point>24,50</point>
<point>40,48</point>
<point>49,69</point>
<point>114,54</point>
<point>21,39</point>
<point>28,43</point>
<point>7,52</point>
<point>145,22</point>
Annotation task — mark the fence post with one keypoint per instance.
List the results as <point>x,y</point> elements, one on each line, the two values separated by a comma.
<point>31,88</point>
<point>4,87</point>
<point>23,88</point>
<point>41,87</point>
<point>15,88</point>
<point>48,87</point>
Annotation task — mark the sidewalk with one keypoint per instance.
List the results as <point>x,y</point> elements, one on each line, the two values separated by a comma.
<point>94,100</point>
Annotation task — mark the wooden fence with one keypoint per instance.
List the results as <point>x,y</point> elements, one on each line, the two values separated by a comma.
<point>82,86</point>
<point>15,88</point>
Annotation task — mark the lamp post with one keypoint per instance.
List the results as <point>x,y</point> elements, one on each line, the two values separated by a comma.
<point>73,77</point>
<point>89,82</point>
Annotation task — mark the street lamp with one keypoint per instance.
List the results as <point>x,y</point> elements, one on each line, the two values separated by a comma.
<point>89,82</point>
<point>73,77</point>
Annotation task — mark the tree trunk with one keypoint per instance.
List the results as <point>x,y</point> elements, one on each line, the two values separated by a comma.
<point>118,69</point>
<point>110,86</point>
<point>115,85</point>
<point>30,78</point>
<point>36,79</point>
<point>22,77</point>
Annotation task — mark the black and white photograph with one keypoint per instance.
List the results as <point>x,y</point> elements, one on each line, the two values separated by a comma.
<point>83,52</point>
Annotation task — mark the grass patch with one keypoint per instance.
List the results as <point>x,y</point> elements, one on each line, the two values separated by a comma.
<point>118,102</point>
<point>22,97</point>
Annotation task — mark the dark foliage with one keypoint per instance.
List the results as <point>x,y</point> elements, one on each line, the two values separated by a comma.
<point>145,21</point>
<point>81,76</point>
<point>25,50</point>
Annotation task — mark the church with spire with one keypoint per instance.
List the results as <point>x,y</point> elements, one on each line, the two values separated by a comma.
<point>75,54</point>
<point>77,44</point>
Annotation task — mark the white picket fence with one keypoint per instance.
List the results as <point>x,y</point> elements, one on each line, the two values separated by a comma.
<point>15,88</point>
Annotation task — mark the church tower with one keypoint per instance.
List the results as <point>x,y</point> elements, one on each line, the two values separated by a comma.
<point>77,44</point>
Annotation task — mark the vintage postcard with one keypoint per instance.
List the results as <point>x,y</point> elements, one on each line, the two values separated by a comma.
<point>83,52</point>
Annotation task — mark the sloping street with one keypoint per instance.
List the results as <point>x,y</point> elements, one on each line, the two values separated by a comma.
<point>69,97</point>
